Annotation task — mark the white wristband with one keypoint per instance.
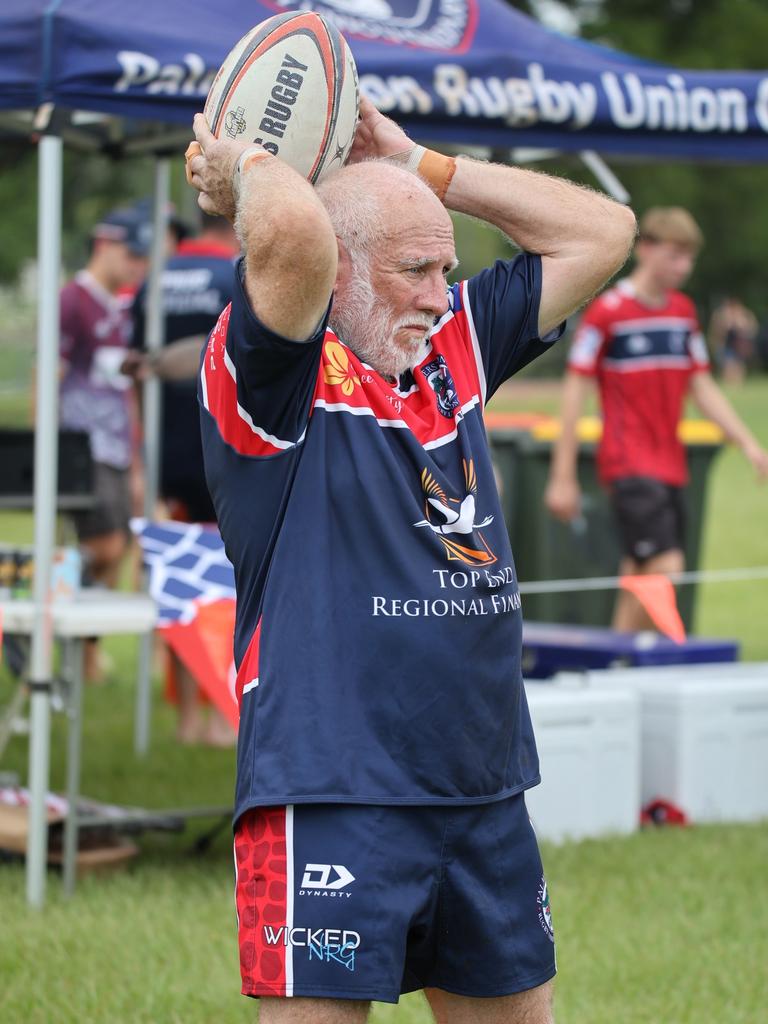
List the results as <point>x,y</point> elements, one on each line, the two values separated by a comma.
<point>409,159</point>
<point>252,151</point>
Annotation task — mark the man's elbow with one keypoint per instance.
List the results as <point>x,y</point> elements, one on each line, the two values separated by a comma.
<point>619,231</point>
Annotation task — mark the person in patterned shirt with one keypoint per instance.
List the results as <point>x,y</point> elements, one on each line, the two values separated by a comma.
<point>95,397</point>
<point>641,341</point>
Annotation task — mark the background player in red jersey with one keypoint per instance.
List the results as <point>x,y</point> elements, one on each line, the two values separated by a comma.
<point>641,341</point>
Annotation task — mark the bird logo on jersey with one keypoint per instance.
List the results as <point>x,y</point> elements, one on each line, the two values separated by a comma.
<point>454,518</point>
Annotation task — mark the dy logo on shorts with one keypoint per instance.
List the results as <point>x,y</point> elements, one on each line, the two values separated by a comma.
<point>425,24</point>
<point>326,878</point>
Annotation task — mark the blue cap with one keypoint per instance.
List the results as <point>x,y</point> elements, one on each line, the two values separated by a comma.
<point>126,225</point>
<point>145,208</point>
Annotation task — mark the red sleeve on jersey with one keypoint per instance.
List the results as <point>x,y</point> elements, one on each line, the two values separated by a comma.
<point>590,337</point>
<point>697,346</point>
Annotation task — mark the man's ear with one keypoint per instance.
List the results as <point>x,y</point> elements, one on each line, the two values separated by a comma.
<point>344,268</point>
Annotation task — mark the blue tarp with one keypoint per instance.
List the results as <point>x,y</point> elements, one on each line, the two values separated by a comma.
<point>465,71</point>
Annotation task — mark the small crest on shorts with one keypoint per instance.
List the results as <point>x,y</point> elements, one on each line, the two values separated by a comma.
<point>545,913</point>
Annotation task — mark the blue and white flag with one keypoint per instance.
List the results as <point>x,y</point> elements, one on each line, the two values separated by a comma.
<point>187,565</point>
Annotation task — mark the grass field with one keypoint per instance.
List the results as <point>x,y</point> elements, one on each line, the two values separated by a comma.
<point>665,927</point>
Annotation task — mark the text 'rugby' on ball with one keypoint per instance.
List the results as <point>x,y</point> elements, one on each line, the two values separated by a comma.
<point>290,84</point>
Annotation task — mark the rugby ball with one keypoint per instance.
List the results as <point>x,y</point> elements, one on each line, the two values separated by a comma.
<point>289,84</point>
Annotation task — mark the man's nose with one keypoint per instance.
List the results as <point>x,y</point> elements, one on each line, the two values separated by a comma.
<point>434,296</point>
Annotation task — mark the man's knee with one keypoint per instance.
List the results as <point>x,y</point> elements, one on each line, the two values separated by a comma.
<point>534,1006</point>
<point>312,1011</point>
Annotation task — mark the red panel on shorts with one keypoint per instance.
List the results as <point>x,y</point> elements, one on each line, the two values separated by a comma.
<point>261,897</point>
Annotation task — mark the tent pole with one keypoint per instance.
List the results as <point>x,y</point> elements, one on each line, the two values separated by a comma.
<point>46,465</point>
<point>153,340</point>
<point>605,176</point>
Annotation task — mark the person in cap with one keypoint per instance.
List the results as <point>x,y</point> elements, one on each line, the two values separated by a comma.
<point>197,284</point>
<point>641,341</point>
<point>95,396</point>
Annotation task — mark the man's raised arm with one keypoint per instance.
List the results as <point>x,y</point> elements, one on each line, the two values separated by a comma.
<point>582,236</point>
<point>287,238</point>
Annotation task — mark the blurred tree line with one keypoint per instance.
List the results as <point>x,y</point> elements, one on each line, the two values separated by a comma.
<point>92,184</point>
<point>729,201</point>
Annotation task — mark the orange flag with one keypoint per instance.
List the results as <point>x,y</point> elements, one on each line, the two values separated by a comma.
<point>657,595</point>
<point>205,647</point>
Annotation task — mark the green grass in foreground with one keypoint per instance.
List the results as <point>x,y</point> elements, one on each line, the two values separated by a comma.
<point>664,927</point>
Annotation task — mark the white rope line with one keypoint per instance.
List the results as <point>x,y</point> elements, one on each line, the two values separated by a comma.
<point>614,582</point>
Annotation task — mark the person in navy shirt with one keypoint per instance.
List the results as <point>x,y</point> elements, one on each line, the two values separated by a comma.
<point>197,284</point>
<point>381,839</point>
<point>641,341</point>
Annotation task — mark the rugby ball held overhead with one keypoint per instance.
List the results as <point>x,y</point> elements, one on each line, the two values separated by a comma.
<point>290,84</point>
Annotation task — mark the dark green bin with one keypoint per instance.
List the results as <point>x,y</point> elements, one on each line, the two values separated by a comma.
<point>546,549</point>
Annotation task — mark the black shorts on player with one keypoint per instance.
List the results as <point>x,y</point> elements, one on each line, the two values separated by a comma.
<point>650,516</point>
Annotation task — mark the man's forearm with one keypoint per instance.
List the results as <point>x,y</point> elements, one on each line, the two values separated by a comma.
<point>180,360</point>
<point>713,404</point>
<point>541,213</point>
<point>582,236</point>
<point>565,450</point>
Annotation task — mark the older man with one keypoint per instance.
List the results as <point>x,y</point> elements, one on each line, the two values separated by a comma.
<point>381,838</point>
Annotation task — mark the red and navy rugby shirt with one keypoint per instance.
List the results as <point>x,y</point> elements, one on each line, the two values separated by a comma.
<point>643,358</point>
<point>378,617</point>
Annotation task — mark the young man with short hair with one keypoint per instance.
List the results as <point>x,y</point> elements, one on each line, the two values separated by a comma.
<point>641,341</point>
<point>95,397</point>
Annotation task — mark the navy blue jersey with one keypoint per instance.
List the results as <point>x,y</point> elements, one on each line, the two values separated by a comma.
<point>378,615</point>
<point>197,284</point>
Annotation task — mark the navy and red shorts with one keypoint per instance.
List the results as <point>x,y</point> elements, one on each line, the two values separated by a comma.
<point>367,902</point>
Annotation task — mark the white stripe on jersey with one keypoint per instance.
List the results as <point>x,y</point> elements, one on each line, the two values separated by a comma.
<point>204,386</point>
<point>648,363</point>
<point>440,441</point>
<point>698,349</point>
<point>364,410</point>
<point>475,342</point>
<point>245,416</point>
<point>586,347</point>
<point>646,324</point>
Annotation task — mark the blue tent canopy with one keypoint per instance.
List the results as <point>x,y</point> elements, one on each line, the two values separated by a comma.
<point>464,71</point>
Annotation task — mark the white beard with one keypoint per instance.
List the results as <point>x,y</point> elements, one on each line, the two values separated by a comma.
<point>365,323</point>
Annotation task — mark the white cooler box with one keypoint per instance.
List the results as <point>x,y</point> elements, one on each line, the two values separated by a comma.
<point>589,749</point>
<point>704,732</point>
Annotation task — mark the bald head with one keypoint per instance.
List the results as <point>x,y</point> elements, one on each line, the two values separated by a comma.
<point>368,201</point>
<point>395,248</point>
